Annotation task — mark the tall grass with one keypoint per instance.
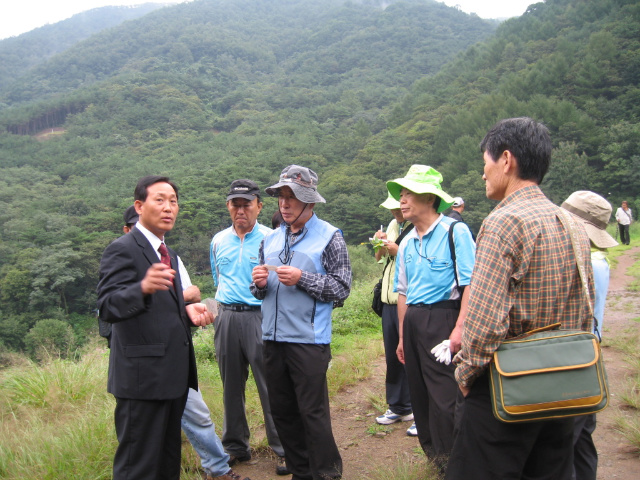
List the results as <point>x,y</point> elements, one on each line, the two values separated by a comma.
<point>56,420</point>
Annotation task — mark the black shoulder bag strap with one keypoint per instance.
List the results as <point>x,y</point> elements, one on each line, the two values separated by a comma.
<point>404,233</point>
<point>452,249</point>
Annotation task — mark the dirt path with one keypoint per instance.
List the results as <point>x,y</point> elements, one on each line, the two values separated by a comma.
<point>363,453</point>
<point>616,459</point>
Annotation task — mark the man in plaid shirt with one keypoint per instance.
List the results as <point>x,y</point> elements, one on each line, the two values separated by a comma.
<point>525,277</point>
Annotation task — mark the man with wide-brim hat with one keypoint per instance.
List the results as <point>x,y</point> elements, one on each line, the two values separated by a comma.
<point>593,212</point>
<point>432,301</point>
<point>304,270</point>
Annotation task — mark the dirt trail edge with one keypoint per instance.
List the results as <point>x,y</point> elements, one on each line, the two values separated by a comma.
<point>363,453</point>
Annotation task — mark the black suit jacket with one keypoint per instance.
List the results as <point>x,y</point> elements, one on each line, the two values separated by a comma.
<point>151,356</point>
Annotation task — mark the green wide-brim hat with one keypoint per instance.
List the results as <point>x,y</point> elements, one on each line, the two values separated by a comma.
<point>421,179</point>
<point>390,203</point>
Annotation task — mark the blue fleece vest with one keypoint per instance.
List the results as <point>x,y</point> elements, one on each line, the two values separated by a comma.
<point>289,314</point>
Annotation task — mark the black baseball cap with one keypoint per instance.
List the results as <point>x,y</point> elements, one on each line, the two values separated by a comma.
<point>130,215</point>
<point>244,188</point>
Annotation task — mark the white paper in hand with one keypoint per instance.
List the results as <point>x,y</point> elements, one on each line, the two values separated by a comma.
<point>212,306</point>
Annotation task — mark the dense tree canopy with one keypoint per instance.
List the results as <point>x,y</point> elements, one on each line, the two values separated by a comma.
<point>214,90</point>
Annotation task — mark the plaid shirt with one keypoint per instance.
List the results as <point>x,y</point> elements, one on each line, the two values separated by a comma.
<point>525,277</point>
<point>332,287</point>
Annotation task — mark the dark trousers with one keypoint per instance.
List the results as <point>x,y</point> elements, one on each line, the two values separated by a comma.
<point>238,341</point>
<point>585,455</point>
<point>149,441</point>
<point>487,449</point>
<point>624,233</point>
<point>432,384</point>
<point>297,379</point>
<point>397,387</point>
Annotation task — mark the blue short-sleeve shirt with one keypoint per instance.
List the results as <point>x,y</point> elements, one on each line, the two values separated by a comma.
<point>424,267</point>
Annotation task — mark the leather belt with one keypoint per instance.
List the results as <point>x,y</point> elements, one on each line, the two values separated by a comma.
<point>445,304</point>
<point>237,307</point>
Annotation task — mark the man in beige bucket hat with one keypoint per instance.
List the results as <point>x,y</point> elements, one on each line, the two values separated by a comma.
<point>594,213</point>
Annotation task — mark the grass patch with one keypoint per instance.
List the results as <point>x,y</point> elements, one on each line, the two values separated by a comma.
<point>57,420</point>
<point>376,429</point>
<point>629,428</point>
<point>378,401</point>
<point>408,467</point>
<point>627,421</point>
<point>630,395</point>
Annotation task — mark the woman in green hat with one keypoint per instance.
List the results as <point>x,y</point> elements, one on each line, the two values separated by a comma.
<point>431,303</point>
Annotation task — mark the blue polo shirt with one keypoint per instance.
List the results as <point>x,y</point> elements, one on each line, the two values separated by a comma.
<point>424,268</point>
<point>232,261</point>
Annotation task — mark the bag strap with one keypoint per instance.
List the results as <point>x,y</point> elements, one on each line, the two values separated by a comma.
<point>405,230</point>
<point>452,249</point>
<point>569,223</point>
<point>553,326</point>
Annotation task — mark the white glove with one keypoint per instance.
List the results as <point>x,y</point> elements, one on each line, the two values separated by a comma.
<point>442,352</point>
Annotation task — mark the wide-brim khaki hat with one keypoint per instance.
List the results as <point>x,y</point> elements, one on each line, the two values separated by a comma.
<point>303,183</point>
<point>594,213</point>
<point>421,179</point>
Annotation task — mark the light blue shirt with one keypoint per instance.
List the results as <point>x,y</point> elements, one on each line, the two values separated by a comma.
<point>424,267</point>
<point>601,285</point>
<point>232,261</point>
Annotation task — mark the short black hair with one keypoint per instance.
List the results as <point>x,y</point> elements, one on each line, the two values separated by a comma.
<point>529,142</point>
<point>436,203</point>
<point>140,193</point>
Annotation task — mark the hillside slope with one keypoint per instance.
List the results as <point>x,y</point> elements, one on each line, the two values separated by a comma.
<point>23,52</point>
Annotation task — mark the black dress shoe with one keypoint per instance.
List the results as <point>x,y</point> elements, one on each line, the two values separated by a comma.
<point>235,459</point>
<point>281,467</point>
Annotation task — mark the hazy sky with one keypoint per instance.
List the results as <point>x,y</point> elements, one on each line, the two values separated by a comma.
<point>19,16</point>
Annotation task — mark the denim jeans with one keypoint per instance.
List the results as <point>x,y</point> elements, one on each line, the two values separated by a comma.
<point>201,432</point>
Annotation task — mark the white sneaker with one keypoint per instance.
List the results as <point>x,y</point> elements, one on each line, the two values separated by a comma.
<point>388,417</point>
<point>412,431</point>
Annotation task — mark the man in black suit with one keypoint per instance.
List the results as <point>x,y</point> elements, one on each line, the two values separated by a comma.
<point>151,362</point>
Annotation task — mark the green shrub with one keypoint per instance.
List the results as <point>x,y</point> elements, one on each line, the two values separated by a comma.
<point>203,345</point>
<point>50,338</point>
<point>363,263</point>
<point>356,316</point>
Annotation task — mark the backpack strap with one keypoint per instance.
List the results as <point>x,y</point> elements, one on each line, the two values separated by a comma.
<point>404,233</point>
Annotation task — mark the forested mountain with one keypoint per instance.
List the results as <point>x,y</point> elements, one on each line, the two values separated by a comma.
<point>19,54</point>
<point>214,90</point>
<point>572,64</point>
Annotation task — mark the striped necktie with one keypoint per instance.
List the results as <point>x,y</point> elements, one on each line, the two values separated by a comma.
<point>164,255</point>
